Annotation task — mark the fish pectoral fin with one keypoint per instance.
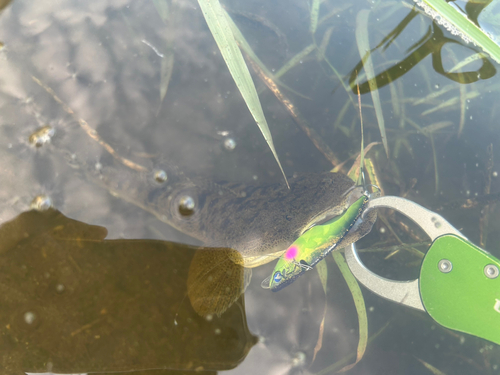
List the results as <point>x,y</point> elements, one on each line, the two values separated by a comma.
<point>266,283</point>
<point>247,277</point>
<point>215,280</point>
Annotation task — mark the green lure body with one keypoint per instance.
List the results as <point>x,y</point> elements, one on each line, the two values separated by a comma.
<point>313,246</point>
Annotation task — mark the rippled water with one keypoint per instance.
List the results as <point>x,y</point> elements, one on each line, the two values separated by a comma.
<point>108,61</point>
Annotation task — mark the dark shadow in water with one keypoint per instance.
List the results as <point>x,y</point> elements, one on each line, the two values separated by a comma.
<point>430,44</point>
<point>73,302</point>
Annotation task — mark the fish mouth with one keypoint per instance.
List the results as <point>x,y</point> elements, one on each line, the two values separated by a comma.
<point>351,196</point>
<point>324,217</point>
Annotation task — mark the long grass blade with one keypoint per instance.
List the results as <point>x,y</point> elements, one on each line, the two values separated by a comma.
<point>359,302</point>
<point>463,106</point>
<point>332,368</point>
<point>436,170</point>
<point>249,53</point>
<point>364,52</point>
<point>361,180</point>
<point>221,31</point>
<point>431,368</point>
<point>322,269</point>
<point>320,52</point>
<point>163,9</point>
<point>294,61</point>
<point>320,144</point>
<point>167,67</point>
<point>353,173</point>
<point>314,15</point>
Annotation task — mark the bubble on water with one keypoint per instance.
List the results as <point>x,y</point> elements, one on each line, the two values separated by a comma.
<point>443,21</point>
<point>41,136</point>
<point>160,176</point>
<point>186,205</point>
<point>41,203</point>
<point>495,174</point>
<point>436,86</point>
<point>299,359</point>
<point>29,317</point>
<point>60,288</point>
<point>229,144</point>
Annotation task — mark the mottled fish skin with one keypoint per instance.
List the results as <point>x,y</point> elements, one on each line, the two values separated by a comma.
<point>255,220</point>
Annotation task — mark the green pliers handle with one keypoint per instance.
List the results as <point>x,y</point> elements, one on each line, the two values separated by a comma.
<point>459,283</point>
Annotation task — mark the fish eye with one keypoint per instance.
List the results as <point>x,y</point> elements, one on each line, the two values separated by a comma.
<point>277,277</point>
<point>187,205</point>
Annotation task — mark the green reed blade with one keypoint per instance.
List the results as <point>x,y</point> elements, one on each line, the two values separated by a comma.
<point>322,269</point>
<point>167,67</point>
<point>295,60</point>
<point>431,368</point>
<point>163,9</point>
<point>249,53</point>
<point>314,15</point>
<point>364,53</point>
<point>359,302</point>
<point>221,31</point>
<point>446,15</point>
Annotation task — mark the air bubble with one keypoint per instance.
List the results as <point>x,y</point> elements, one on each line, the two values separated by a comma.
<point>41,136</point>
<point>160,176</point>
<point>440,20</point>
<point>41,203</point>
<point>299,359</point>
<point>29,317</point>
<point>229,144</point>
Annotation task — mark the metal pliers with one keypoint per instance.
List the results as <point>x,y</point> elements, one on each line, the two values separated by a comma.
<point>459,283</point>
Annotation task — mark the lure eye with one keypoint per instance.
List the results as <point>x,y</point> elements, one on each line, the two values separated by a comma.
<point>277,277</point>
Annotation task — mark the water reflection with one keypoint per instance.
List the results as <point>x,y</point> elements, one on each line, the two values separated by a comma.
<point>75,302</point>
<point>112,63</point>
<point>431,43</point>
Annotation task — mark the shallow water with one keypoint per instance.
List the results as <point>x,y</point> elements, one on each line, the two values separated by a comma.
<point>104,60</point>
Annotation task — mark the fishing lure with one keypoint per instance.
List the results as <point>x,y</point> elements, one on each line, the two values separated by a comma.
<point>313,246</point>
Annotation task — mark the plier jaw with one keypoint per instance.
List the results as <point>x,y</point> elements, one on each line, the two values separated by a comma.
<point>404,292</point>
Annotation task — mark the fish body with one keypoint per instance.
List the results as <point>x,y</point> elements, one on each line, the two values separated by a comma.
<point>257,221</point>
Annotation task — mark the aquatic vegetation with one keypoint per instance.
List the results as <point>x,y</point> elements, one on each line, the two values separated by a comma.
<point>458,24</point>
<point>221,31</point>
<point>435,96</point>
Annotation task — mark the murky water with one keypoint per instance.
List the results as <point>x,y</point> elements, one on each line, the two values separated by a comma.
<point>69,67</point>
